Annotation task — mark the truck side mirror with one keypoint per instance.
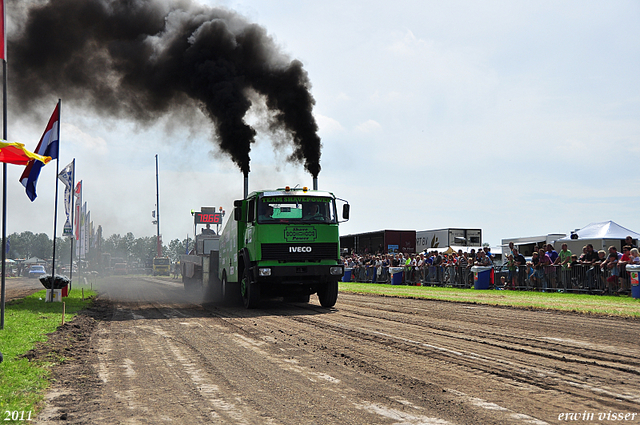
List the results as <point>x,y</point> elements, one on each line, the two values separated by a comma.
<point>345,211</point>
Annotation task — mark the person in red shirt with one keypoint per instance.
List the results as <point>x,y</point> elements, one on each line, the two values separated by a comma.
<point>622,263</point>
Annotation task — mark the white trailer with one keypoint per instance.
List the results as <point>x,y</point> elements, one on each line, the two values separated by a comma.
<point>441,238</point>
<point>526,245</point>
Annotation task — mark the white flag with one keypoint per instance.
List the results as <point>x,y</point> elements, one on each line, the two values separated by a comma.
<point>66,176</point>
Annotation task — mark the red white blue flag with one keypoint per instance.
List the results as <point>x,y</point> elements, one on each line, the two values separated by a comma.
<point>48,146</point>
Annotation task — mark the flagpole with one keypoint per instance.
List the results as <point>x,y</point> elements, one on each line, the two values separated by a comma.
<point>55,211</point>
<point>73,198</point>
<point>4,186</point>
<point>3,272</point>
<point>158,244</point>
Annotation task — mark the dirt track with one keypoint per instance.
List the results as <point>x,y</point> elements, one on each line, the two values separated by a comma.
<point>156,357</point>
<point>20,287</point>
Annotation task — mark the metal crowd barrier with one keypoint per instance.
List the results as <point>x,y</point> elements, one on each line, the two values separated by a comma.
<point>580,278</point>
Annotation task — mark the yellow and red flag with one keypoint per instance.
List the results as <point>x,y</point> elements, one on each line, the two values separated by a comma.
<point>15,153</point>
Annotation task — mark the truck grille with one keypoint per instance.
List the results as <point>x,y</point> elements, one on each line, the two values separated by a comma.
<point>300,251</point>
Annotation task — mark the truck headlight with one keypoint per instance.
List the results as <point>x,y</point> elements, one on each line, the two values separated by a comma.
<point>264,271</point>
<point>336,270</point>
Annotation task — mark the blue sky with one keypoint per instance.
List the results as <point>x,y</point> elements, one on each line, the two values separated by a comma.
<point>519,118</point>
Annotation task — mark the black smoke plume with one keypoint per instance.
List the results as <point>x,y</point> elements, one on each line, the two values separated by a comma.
<point>140,59</point>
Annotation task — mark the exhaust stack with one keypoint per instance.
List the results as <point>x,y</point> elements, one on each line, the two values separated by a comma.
<point>315,183</point>
<point>246,186</point>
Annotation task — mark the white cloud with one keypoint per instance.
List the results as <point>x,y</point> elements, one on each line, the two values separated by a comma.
<point>369,126</point>
<point>328,125</point>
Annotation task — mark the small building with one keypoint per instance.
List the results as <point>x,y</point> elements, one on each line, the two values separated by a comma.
<point>381,241</point>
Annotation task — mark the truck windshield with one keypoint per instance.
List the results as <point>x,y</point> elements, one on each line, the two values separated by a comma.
<point>296,209</point>
<point>161,261</point>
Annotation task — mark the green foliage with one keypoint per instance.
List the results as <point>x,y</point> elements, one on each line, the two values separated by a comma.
<point>27,245</point>
<point>178,248</point>
<point>128,247</point>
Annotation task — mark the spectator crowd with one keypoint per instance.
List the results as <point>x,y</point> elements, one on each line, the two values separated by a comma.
<point>597,272</point>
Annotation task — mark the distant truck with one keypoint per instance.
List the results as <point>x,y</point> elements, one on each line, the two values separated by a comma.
<point>282,242</point>
<point>120,268</point>
<point>161,266</point>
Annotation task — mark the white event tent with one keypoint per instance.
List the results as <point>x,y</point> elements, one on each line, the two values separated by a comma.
<point>601,235</point>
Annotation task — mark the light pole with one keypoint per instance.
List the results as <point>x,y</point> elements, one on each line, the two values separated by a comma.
<point>159,244</point>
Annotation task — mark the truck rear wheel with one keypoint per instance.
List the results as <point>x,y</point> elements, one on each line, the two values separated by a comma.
<point>328,294</point>
<point>250,290</point>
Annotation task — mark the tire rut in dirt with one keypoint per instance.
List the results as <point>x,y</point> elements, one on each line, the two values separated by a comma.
<point>363,359</point>
<point>484,354</point>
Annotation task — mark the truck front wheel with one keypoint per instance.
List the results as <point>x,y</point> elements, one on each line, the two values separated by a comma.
<point>328,294</point>
<point>250,290</point>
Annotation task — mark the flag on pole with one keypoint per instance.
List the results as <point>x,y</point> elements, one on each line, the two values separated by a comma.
<point>78,201</point>
<point>83,228</point>
<point>87,232</point>
<point>3,25</point>
<point>48,146</point>
<point>66,176</point>
<point>16,153</point>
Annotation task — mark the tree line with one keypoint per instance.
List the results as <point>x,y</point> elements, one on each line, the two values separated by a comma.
<point>133,250</point>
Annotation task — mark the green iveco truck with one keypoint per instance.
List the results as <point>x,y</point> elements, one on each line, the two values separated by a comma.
<point>283,242</point>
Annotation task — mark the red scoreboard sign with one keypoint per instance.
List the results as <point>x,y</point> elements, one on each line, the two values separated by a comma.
<point>208,218</point>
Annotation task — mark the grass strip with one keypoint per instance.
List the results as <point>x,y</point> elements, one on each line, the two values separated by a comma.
<point>28,321</point>
<point>622,306</point>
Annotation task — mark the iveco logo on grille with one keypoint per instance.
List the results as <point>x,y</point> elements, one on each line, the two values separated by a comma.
<point>299,249</point>
<point>298,252</point>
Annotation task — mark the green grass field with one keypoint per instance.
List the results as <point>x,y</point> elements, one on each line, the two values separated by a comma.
<point>588,304</point>
<point>27,321</point>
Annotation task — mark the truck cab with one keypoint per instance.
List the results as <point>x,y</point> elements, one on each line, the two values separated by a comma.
<point>283,242</point>
<point>161,266</point>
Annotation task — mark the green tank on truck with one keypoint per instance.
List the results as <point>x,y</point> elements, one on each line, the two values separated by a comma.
<point>283,242</point>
